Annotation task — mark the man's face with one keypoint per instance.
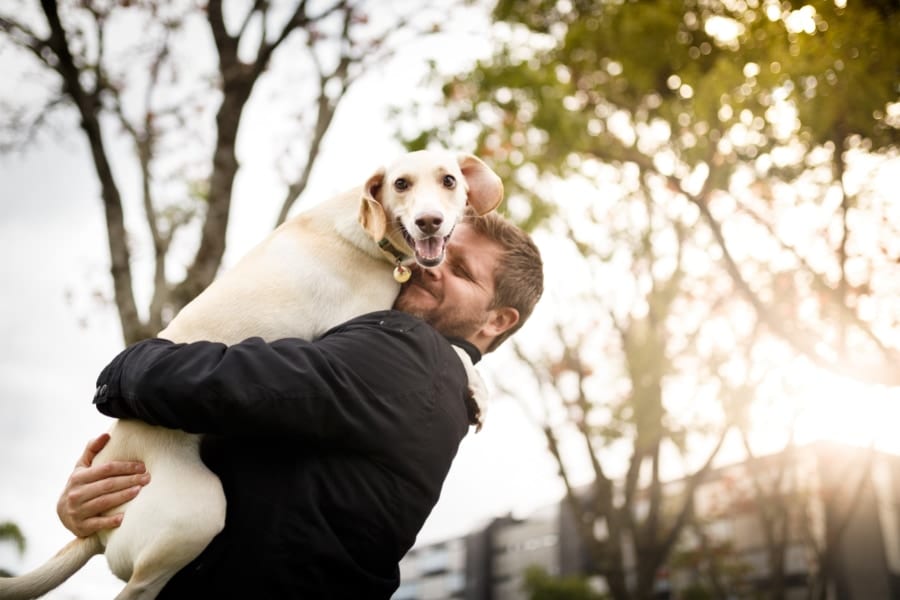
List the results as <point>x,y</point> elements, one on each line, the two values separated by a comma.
<point>454,297</point>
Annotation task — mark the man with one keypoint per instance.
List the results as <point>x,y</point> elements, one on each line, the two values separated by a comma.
<point>332,452</point>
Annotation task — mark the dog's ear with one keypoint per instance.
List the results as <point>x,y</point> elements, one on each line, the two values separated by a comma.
<point>371,212</point>
<point>485,187</point>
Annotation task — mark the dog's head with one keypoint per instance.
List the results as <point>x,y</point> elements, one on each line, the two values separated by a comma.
<point>416,202</point>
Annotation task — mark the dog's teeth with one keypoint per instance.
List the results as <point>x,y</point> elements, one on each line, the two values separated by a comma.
<point>430,248</point>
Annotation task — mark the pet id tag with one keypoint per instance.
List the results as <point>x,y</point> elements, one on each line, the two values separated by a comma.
<point>401,274</point>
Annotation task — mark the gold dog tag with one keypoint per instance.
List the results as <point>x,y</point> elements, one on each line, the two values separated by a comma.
<point>401,274</point>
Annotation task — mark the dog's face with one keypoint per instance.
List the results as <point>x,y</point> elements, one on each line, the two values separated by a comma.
<point>417,201</point>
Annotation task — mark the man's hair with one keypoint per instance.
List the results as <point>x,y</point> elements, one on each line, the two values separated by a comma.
<point>519,278</point>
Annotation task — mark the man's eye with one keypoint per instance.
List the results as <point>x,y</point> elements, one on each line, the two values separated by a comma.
<point>449,182</point>
<point>401,184</point>
<point>462,272</point>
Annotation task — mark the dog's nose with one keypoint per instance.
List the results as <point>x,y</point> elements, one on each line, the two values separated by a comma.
<point>429,222</point>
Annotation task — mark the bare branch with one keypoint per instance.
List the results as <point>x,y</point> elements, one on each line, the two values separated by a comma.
<point>88,105</point>
<point>299,20</point>
<point>24,38</point>
<point>259,6</point>
<point>25,123</point>
<point>882,373</point>
<point>866,373</point>
<point>144,142</point>
<point>226,44</point>
<point>694,482</point>
<point>820,285</point>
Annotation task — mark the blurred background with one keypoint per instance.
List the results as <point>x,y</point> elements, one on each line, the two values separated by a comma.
<point>704,404</point>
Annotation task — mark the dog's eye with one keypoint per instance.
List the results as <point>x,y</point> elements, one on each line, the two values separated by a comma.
<point>401,184</point>
<point>449,182</point>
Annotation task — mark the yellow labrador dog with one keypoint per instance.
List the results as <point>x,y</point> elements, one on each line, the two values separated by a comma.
<point>328,264</point>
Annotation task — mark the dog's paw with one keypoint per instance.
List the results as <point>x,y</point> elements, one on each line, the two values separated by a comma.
<point>477,390</point>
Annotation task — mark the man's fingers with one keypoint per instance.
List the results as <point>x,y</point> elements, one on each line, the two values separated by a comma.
<point>108,501</point>
<point>95,524</point>
<point>92,449</point>
<point>81,510</point>
<point>84,493</point>
<point>86,475</point>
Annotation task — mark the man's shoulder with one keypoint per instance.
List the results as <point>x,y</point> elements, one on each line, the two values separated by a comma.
<point>391,341</point>
<point>398,322</point>
<point>385,321</point>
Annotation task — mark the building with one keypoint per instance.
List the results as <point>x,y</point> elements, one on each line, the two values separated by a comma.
<point>490,563</point>
<point>820,489</point>
<point>840,508</point>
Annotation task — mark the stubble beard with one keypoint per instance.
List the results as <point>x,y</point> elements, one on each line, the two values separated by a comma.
<point>451,321</point>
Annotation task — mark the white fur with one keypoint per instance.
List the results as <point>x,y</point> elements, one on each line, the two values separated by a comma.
<point>315,271</point>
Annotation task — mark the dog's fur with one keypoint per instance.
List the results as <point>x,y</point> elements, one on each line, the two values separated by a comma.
<point>318,269</point>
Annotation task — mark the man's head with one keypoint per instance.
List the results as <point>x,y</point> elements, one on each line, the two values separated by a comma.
<point>486,288</point>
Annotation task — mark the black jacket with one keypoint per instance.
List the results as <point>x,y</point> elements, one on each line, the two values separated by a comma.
<point>332,453</point>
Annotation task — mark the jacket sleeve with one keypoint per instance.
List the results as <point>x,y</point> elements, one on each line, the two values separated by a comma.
<point>331,389</point>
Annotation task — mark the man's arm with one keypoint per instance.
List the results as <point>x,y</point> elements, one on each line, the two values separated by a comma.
<point>339,389</point>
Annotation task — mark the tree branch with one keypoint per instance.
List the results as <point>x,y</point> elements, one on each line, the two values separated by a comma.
<point>687,508</point>
<point>88,105</point>
<point>820,285</point>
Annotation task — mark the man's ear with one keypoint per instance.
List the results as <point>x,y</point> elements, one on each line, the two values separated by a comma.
<point>501,320</point>
<point>371,212</point>
<point>484,186</point>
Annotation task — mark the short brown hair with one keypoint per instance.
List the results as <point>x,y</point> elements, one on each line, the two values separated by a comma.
<point>519,278</point>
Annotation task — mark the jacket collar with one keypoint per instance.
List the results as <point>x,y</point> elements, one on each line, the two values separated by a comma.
<point>473,352</point>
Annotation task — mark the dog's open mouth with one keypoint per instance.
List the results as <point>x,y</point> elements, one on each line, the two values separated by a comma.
<point>429,252</point>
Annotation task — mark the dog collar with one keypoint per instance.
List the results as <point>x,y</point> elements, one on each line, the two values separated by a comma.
<point>401,273</point>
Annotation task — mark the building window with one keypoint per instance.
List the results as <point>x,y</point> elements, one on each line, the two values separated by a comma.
<point>435,561</point>
<point>407,591</point>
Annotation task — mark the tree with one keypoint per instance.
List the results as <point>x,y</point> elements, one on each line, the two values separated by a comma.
<point>147,94</point>
<point>758,113</point>
<point>840,494</point>
<point>541,586</point>
<point>629,369</point>
<point>725,163</point>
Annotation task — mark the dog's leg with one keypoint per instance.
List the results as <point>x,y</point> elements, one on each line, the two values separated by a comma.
<point>139,588</point>
<point>476,385</point>
<point>167,550</point>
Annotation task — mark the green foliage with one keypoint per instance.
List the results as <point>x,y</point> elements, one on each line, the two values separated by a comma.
<point>541,586</point>
<point>553,95</point>
<point>9,531</point>
<point>695,591</point>
<point>846,73</point>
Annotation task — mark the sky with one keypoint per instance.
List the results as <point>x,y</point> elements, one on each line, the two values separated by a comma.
<point>53,254</point>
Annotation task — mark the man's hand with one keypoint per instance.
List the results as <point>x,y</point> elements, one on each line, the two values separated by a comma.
<point>91,491</point>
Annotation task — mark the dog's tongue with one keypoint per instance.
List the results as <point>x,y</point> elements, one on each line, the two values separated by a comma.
<point>430,249</point>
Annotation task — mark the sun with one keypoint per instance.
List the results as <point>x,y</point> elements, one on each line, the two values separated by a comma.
<point>820,406</point>
<point>833,408</point>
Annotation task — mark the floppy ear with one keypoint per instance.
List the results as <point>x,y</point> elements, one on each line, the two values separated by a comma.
<point>371,212</point>
<point>485,186</point>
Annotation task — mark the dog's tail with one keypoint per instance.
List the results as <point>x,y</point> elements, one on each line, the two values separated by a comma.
<point>52,573</point>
